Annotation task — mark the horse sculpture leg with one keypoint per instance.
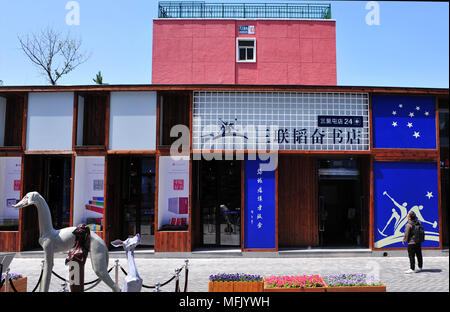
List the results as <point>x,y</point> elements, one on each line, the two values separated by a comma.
<point>48,267</point>
<point>99,260</point>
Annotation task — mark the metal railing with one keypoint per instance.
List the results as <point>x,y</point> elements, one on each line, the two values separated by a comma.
<point>199,9</point>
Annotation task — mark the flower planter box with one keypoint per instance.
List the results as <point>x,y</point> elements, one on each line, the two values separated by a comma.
<point>20,284</point>
<point>235,286</point>
<point>304,283</point>
<point>304,289</point>
<point>381,288</point>
<point>353,282</point>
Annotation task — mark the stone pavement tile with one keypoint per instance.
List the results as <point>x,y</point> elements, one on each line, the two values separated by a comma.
<point>390,270</point>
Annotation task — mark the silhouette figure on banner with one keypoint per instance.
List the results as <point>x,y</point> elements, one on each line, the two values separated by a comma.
<point>400,217</point>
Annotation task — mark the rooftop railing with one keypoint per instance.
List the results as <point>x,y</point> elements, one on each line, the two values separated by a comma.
<point>198,9</point>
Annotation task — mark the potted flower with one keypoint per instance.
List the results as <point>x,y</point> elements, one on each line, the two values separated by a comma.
<point>19,282</point>
<point>354,282</point>
<point>302,283</point>
<point>239,282</point>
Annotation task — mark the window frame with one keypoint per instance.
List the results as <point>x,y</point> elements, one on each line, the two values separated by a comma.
<point>237,49</point>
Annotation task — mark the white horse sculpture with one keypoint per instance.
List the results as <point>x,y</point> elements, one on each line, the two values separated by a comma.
<point>63,240</point>
<point>133,282</point>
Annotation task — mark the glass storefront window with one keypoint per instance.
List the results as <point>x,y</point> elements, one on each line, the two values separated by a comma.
<point>10,168</point>
<point>173,194</point>
<point>89,191</point>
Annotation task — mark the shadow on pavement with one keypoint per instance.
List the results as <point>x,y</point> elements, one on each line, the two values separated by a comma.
<point>431,271</point>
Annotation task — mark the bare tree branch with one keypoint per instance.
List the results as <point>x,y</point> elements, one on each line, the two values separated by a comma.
<point>54,55</point>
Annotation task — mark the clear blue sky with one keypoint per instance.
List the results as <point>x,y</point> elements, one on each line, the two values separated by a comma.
<point>410,47</point>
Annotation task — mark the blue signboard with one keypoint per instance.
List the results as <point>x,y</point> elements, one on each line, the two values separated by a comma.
<point>404,121</point>
<point>340,121</point>
<point>259,212</point>
<point>400,187</point>
<point>246,29</point>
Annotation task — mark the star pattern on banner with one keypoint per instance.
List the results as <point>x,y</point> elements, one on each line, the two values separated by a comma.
<point>416,134</point>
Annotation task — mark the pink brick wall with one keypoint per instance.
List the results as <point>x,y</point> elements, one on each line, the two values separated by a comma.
<point>204,52</point>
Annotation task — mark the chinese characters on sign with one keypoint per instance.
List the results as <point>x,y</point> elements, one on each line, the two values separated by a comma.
<point>259,206</point>
<point>299,136</point>
<point>259,201</point>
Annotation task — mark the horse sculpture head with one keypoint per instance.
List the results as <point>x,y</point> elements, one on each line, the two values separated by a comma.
<point>29,199</point>
<point>128,244</point>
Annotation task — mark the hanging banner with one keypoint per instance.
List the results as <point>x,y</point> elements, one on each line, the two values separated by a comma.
<point>10,168</point>
<point>260,217</point>
<point>401,187</point>
<point>173,194</point>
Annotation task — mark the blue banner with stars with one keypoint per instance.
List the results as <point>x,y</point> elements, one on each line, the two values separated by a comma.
<point>259,213</point>
<point>401,187</point>
<point>404,121</point>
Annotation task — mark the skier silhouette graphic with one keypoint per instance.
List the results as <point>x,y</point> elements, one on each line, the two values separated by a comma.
<point>399,218</point>
<point>402,219</point>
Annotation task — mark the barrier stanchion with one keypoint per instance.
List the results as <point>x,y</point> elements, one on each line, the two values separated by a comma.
<point>177,280</point>
<point>186,274</point>
<point>116,266</point>
<point>7,280</point>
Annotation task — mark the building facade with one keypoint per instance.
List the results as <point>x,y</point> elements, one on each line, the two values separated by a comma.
<point>265,159</point>
<point>244,44</point>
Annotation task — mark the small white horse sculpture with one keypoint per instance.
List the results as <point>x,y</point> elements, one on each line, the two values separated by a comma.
<point>133,282</point>
<point>63,240</point>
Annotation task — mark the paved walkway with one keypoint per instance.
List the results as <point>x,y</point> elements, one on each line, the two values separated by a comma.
<point>390,270</point>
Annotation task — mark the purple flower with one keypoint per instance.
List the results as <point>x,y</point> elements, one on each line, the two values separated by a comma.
<point>352,279</point>
<point>224,277</point>
<point>13,276</point>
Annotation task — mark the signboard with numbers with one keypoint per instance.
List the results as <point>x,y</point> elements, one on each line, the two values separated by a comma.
<point>260,217</point>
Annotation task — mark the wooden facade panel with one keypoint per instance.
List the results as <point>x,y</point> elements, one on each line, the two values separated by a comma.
<point>175,109</point>
<point>365,168</point>
<point>297,201</point>
<point>13,121</point>
<point>112,228</point>
<point>172,241</point>
<point>94,120</point>
<point>405,155</point>
<point>9,241</point>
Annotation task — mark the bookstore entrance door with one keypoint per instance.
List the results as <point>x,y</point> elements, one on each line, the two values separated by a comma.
<point>220,203</point>
<point>137,198</point>
<point>342,205</point>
